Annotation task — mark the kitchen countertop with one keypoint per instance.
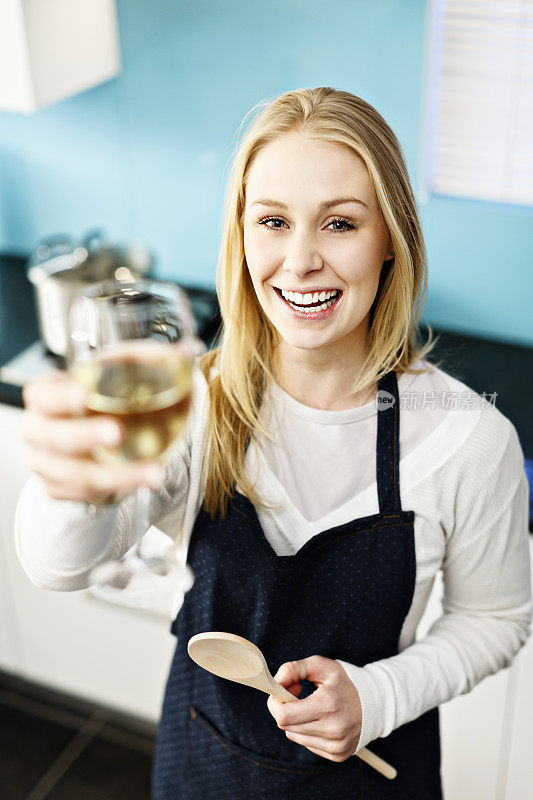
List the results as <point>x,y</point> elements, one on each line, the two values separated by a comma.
<point>484,365</point>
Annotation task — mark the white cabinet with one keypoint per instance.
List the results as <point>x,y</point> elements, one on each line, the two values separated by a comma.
<point>9,642</point>
<point>70,640</point>
<point>53,49</point>
<point>473,732</point>
<point>519,777</point>
<point>486,735</point>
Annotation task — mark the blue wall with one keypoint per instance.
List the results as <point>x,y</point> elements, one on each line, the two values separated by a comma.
<point>145,156</point>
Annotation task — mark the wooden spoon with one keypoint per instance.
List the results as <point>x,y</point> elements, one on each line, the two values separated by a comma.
<point>237,659</point>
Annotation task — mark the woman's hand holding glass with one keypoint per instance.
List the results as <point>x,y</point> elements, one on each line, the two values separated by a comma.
<point>63,439</point>
<point>130,354</point>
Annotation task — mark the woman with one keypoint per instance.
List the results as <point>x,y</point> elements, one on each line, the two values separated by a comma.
<point>302,532</point>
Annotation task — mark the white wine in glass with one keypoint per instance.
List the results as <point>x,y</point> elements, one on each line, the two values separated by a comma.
<point>130,347</point>
<point>148,386</point>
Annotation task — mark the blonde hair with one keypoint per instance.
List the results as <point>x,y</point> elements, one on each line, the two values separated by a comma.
<point>238,369</point>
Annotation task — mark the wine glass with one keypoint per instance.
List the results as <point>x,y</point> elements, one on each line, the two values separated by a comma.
<point>131,345</point>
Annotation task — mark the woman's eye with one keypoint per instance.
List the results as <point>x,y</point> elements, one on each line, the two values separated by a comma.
<point>276,223</point>
<point>341,225</point>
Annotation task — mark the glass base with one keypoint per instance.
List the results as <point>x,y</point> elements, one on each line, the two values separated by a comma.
<point>121,574</point>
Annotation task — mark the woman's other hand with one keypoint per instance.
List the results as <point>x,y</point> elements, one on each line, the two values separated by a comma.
<point>328,721</point>
<point>62,439</point>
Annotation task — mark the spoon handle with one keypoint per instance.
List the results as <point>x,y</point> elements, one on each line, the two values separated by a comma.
<point>377,763</point>
<point>276,689</point>
<point>280,692</point>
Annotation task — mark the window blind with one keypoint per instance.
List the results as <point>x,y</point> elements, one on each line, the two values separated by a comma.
<point>481,104</point>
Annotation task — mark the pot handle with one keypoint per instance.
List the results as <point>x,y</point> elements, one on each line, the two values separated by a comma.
<point>94,240</point>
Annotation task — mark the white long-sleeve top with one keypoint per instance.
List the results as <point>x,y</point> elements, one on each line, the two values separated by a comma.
<point>461,472</point>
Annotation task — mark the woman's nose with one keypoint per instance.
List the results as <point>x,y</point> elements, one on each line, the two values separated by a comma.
<point>302,255</point>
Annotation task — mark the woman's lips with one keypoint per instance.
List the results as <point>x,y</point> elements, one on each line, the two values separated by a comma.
<point>309,315</point>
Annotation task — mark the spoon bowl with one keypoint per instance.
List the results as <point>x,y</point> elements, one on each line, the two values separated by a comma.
<point>236,659</point>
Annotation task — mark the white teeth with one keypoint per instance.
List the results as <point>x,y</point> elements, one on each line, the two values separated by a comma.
<point>313,309</point>
<point>309,297</point>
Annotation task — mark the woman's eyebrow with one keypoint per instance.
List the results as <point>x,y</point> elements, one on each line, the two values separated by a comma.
<point>269,203</point>
<point>339,201</point>
<point>326,204</point>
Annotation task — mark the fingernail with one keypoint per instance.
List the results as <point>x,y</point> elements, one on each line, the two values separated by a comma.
<point>154,476</point>
<point>109,434</point>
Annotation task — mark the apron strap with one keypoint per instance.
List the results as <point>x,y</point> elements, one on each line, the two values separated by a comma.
<point>388,445</point>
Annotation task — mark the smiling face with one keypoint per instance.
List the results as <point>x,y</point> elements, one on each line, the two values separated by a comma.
<point>314,240</point>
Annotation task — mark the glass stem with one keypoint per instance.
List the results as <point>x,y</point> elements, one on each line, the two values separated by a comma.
<point>142,515</point>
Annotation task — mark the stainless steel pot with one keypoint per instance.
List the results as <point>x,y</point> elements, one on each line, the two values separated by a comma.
<point>59,270</point>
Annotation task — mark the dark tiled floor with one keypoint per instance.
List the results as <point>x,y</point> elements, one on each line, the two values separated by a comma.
<point>105,770</point>
<point>54,747</point>
<point>28,745</point>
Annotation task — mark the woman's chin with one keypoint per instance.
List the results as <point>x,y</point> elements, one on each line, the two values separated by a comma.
<point>307,340</point>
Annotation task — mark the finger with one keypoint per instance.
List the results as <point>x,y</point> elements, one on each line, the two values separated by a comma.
<point>73,436</point>
<point>313,728</point>
<point>295,689</point>
<point>85,478</point>
<point>293,671</point>
<point>317,669</point>
<point>192,348</point>
<point>323,747</point>
<point>322,753</point>
<point>56,394</point>
<point>287,714</point>
<point>321,671</point>
<point>60,491</point>
<point>274,706</point>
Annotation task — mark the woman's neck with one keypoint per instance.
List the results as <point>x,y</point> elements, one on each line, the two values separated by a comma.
<point>323,378</point>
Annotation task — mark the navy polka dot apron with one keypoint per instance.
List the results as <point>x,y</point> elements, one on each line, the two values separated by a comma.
<point>343,595</point>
